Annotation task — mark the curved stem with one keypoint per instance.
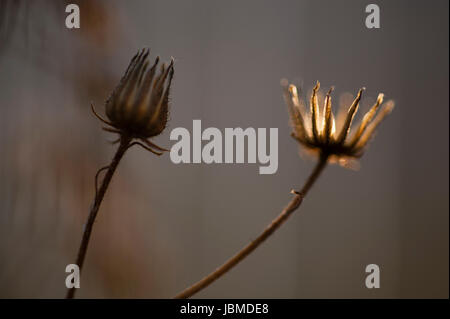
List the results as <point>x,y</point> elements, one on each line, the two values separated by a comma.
<point>123,146</point>
<point>248,249</point>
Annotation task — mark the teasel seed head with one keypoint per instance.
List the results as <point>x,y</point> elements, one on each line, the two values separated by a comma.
<point>139,106</point>
<point>316,130</point>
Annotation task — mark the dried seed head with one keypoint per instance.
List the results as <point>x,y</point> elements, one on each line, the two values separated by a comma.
<point>316,131</point>
<point>138,107</point>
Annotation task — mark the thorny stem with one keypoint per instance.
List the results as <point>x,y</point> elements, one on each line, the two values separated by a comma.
<point>123,146</point>
<point>248,249</point>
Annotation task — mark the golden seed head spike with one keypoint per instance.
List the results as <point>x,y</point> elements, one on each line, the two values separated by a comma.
<point>327,117</point>
<point>350,115</point>
<point>315,113</point>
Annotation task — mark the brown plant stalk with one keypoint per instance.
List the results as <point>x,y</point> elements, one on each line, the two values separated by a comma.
<point>124,145</point>
<point>269,230</point>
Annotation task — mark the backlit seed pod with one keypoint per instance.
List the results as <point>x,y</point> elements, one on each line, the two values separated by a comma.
<point>317,133</point>
<point>138,107</point>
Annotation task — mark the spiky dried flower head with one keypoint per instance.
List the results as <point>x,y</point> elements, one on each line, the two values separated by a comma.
<point>316,130</point>
<point>139,106</point>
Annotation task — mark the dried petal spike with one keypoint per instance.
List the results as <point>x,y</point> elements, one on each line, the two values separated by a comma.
<point>327,117</point>
<point>365,138</point>
<point>296,110</point>
<point>315,112</point>
<point>367,119</point>
<point>350,115</point>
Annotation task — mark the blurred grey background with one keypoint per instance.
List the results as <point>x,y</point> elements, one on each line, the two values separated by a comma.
<point>164,226</point>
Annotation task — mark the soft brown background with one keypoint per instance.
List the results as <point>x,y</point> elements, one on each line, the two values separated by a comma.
<point>164,226</point>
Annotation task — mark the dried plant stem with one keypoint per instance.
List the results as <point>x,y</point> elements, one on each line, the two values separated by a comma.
<point>123,146</point>
<point>248,249</point>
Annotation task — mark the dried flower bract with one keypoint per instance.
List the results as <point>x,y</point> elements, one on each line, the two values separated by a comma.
<point>138,107</point>
<point>316,130</point>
